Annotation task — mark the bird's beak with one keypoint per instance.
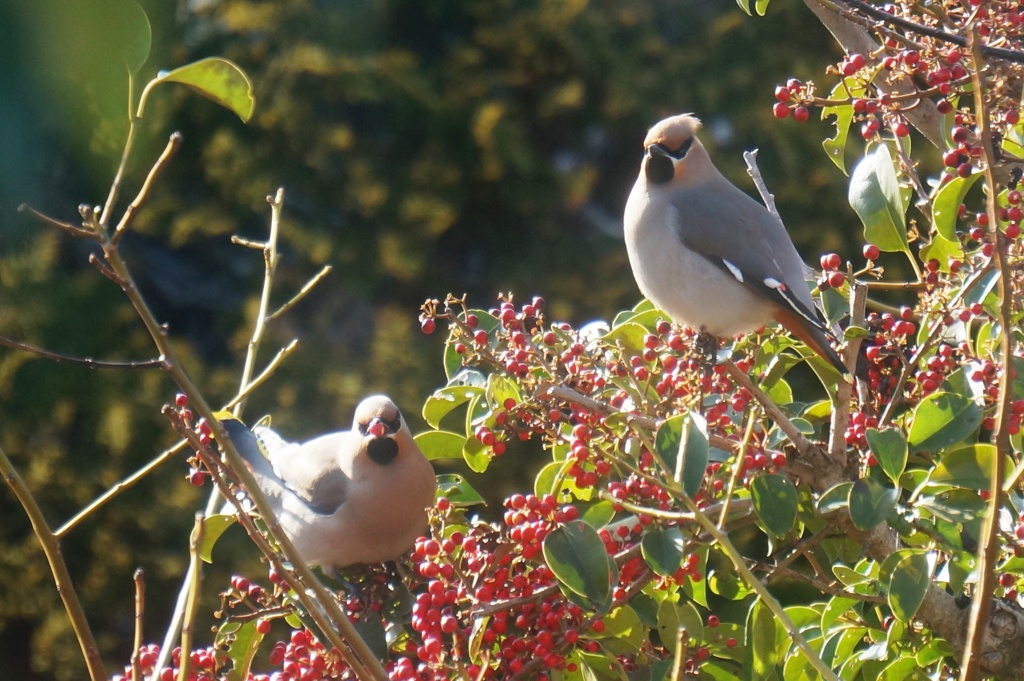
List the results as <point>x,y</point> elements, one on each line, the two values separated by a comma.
<point>376,428</point>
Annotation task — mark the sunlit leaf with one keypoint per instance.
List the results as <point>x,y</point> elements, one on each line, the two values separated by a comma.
<point>577,557</point>
<point>445,400</point>
<point>440,444</point>
<point>663,550</point>
<point>672,617</point>
<point>682,443</point>
<point>890,448</point>
<point>213,527</point>
<point>942,419</point>
<point>969,467</point>
<point>947,202</point>
<point>909,583</point>
<point>457,490</point>
<point>835,148</point>
<point>215,78</point>
<point>241,642</point>
<point>875,196</point>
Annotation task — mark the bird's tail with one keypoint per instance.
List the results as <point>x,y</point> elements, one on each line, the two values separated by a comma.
<point>815,338</point>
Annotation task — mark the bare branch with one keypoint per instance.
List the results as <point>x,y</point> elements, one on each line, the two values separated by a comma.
<point>73,230</point>
<point>88,362</point>
<point>173,144</point>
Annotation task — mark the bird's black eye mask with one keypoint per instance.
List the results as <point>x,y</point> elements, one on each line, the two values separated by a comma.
<point>659,168</point>
<point>393,425</point>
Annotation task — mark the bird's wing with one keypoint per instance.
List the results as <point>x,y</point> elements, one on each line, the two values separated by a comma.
<point>312,471</point>
<point>750,244</point>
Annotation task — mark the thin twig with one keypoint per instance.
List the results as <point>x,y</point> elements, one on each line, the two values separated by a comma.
<point>173,144</point>
<point>61,577</point>
<point>983,50</point>
<point>750,157</point>
<point>115,185</point>
<point>844,391</point>
<point>771,409</point>
<point>303,292</point>
<point>988,553</point>
<point>67,227</point>
<point>140,609</point>
<point>163,456</point>
<point>195,542</point>
<point>88,362</point>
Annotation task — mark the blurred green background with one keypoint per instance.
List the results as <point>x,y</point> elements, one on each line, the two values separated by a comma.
<point>426,147</point>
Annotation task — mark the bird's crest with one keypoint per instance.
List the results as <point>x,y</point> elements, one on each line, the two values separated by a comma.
<point>673,133</point>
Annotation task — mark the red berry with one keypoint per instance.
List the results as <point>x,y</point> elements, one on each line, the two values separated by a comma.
<point>831,261</point>
<point>782,93</point>
<point>801,114</point>
<point>780,110</point>
<point>428,325</point>
<point>181,400</point>
<point>263,626</point>
<point>871,252</point>
<point>836,279</point>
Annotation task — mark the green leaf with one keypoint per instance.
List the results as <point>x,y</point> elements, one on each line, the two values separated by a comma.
<point>213,527</point>
<point>775,502</point>
<point>630,335</point>
<point>943,250</point>
<point>1013,141</point>
<point>577,557</point>
<point>942,419</point>
<point>969,467</point>
<point>623,627</point>
<point>890,448</point>
<point>761,6</point>
<point>682,443</point>
<point>875,196</point>
<point>600,667</point>
<point>446,400</point>
<point>909,583</point>
<point>835,498</point>
<point>553,479</point>
<point>457,490</point>
<point>672,617</point>
<point>499,389</point>
<point>598,514</point>
<point>761,637</point>
<point>871,502</point>
<point>215,78</point>
<point>835,148</point>
<point>947,202</point>
<point>475,454</point>
<point>440,444</point>
<point>744,5</point>
<point>241,641</point>
<point>663,550</point>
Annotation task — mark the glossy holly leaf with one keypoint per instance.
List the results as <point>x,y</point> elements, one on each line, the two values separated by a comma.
<point>835,148</point>
<point>624,633</point>
<point>440,444</point>
<point>241,641</point>
<point>215,78</point>
<point>875,196</point>
<point>762,642</point>
<point>947,202</point>
<point>871,502</point>
<point>942,419</point>
<point>1013,141</point>
<point>446,400</point>
<point>501,388</point>
<point>682,443</point>
<point>457,490</point>
<point>673,616</point>
<point>577,557</point>
<point>600,666</point>
<point>890,448</point>
<point>942,250</point>
<point>969,467</point>
<point>835,498</point>
<point>630,335</point>
<point>554,479</point>
<point>213,527</point>
<point>909,582</point>
<point>775,502</point>
<point>663,550</point>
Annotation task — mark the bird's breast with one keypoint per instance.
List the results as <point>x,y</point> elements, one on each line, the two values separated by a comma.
<point>690,288</point>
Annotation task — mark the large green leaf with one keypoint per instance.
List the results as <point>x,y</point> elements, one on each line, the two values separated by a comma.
<point>577,557</point>
<point>775,502</point>
<point>457,490</point>
<point>215,78</point>
<point>625,631</point>
<point>942,419</point>
<point>682,443</point>
<point>663,550</point>
<point>672,617</point>
<point>445,400</point>
<point>969,467</point>
<point>943,250</point>
<point>762,638</point>
<point>871,502</point>
<point>890,448</point>
<point>947,202</point>
<point>213,527</point>
<point>835,147</point>
<point>241,641</point>
<point>875,196</point>
<point>440,444</point>
<point>909,583</point>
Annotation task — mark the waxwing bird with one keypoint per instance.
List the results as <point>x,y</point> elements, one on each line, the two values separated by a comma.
<point>707,254</point>
<point>354,496</point>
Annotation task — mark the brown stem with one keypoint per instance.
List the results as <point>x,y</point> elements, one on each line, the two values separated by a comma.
<point>67,227</point>
<point>981,607</point>
<point>173,144</point>
<point>140,609</point>
<point>61,577</point>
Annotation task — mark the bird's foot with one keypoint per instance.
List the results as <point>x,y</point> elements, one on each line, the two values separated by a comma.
<point>707,347</point>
